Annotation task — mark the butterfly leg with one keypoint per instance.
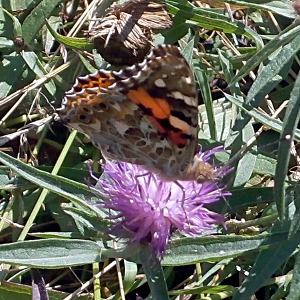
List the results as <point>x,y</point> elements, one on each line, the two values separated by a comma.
<point>183,197</point>
<point>183,191</point>
<point>142,175</point>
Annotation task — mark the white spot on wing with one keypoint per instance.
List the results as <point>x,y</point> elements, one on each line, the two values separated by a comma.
<point>115,105</point>
<point>188,100</point>
<point>120,126</point>
<point>178,123</point>
<point>160,83</point>
<point>188,80</point>
<point>178,95</point>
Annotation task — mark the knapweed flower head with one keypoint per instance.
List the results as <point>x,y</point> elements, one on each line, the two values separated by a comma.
<point>148,209</point>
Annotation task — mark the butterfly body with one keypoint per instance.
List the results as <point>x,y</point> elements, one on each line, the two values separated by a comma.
<point>145,114</point>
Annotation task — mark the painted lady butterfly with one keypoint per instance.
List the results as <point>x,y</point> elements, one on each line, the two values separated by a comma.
<point>145,114</point>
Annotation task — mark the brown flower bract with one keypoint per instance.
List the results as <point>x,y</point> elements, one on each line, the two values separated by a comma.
<point>124,35</point>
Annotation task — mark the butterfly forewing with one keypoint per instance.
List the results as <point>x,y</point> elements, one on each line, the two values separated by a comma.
<point>145,114</point>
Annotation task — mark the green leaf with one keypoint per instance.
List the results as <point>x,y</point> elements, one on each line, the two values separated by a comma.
<point>15,291</point>
<point>280,7</point>
<point>290,123</point>
<point>36,19</point>
<point>245,165</point>
<point>18,182</point>
<point>17,5</point>
<point>259,116</point>
<point>51,253</point>
<point>36,66</point>
<point>187,251</point>
<point>48,39</point>
<point>203,82</point>
<point>265,165</point>
<point>295,284</point>
<point>72,190</point>
<point>225,290</point>
<point>129,280</point>
<point>73,43</point>
<point>209,19</point>
<point>267,262</point>
<point>274,72</point>
<point>12,67</point>
<point>222,111</point>
<point>250,196</point>
<point>17,30</point>
<point>154,273</point>
<point>283,38</point>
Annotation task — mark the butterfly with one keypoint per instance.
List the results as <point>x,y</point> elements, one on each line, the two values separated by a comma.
<point>145,114</point>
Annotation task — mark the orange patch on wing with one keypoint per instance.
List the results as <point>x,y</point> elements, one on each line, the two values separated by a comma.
<point>104,82</point>
<point>160,108</point>
<point>95,81</point>
<point>184,128</point>
<point>157,125</point>
<point>176,138</point>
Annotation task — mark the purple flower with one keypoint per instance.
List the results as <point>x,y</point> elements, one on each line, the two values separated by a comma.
<point>148,209</point>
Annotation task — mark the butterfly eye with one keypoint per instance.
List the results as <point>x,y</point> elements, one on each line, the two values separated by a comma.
<point>201,178</point>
